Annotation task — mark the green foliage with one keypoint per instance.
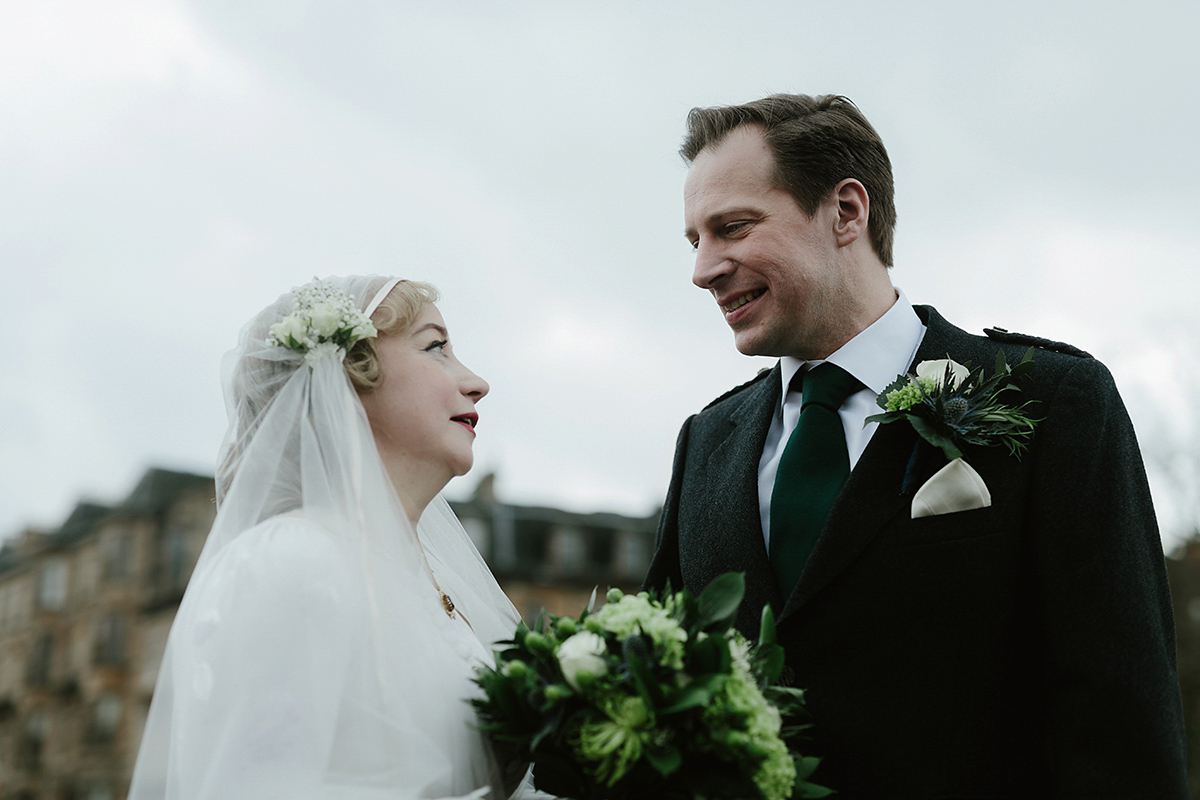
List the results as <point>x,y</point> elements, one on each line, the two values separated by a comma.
<point>950,415</point>
<point>683,707</point>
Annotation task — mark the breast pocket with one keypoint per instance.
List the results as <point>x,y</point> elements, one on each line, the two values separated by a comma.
<point>942,529</point>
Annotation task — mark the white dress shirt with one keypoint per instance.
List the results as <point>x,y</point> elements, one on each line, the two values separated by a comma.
<point>878,354</point>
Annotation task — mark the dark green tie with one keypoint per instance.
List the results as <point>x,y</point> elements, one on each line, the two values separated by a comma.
<point>812,470</point>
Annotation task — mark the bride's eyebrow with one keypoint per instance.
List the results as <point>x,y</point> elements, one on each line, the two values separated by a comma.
<point>434,326</point>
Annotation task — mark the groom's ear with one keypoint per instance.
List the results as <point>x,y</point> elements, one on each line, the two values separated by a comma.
<point>853,211</point>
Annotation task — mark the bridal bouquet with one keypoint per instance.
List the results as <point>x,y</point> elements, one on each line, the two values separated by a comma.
<point>653,695</point>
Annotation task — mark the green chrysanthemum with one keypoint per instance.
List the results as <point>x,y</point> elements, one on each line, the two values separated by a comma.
<point>615,743</point>
<point>632,613</point>
<point>745,728</point>
<point>909,395</point>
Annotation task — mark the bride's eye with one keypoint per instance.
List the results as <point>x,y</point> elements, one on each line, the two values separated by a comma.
<point>438,345</point>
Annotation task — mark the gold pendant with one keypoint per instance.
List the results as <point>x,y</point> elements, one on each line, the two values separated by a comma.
<point>448,604</point>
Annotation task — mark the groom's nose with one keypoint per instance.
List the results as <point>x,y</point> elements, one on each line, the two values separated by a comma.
<point>711,266</point>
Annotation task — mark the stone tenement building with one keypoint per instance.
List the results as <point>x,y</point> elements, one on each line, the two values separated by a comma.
<point>85,611</point>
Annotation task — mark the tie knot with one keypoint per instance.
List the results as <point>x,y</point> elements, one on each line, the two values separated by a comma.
<point>828,385</point>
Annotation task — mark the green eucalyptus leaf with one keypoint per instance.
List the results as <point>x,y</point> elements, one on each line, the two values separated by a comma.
<point>706,655</point>
<point>931,434</point>
<point>720,599</point>
<point>766,628</point>
<point>692,696</point>
<point>643,679</point>
<point>770,659</point>
<point>884,419</point>
<point>713,683</point>
<point>899,383</point>
<point>805,767</point>
<point>666,760</point>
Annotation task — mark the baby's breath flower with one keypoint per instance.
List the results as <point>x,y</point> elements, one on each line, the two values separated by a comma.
<point>323,322</point>
<point>322,350</point>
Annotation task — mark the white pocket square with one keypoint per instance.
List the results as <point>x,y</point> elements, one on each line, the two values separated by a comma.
<point>954,487</point>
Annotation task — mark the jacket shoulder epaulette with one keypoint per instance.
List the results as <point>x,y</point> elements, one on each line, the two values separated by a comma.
<point>1012,337</point>
<point>762,373</point>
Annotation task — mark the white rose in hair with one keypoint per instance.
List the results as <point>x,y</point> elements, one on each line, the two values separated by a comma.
<point>936,371</point>
<point>582,653</point>
<point>290,325</point>
<point>364,330</point>
<point>325,319</point>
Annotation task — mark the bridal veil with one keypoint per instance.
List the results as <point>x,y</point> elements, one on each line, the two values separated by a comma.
<point>311,656</point>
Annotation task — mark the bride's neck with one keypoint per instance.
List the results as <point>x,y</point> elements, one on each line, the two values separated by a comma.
<point>415,486</point>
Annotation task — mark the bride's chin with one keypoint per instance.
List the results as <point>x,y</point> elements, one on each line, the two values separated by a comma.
<point>458,465</point>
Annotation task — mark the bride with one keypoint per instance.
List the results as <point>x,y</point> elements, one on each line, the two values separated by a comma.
<point>327,640</point>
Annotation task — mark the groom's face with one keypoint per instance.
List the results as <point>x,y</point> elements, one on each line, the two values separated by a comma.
<point>771,268</point>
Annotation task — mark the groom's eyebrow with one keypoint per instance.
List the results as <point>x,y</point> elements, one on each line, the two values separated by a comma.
<point>719,217</point>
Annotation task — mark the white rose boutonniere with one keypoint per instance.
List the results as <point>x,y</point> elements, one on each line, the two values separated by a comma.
<point>942,369</point>
<point>950,406</point>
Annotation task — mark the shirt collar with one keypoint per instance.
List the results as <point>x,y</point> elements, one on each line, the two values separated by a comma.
<point>880,352</point>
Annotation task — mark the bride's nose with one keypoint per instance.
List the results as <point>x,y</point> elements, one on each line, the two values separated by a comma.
<point>473,386</point>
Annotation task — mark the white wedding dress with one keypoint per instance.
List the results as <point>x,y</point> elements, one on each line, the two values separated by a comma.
<point>312,656</point>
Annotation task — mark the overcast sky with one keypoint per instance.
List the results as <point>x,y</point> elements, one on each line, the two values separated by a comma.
<point>169,168</point>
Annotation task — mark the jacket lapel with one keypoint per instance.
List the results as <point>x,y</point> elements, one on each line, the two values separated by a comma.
<point>873,494</point>
<point>732,468</point>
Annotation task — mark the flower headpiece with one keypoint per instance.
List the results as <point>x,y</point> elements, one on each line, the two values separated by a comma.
<point>324,321</point>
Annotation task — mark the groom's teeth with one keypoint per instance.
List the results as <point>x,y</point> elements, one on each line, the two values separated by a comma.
<point>741,301</point>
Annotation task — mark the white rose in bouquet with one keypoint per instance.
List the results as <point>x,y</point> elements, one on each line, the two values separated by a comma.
<point>582,653</point>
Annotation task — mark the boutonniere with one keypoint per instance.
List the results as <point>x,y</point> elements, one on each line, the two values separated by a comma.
<point>950,406</point>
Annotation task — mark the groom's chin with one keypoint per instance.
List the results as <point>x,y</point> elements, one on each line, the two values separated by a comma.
<point>752,342</point>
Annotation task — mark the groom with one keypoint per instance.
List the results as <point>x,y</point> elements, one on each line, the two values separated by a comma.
<point>1013,647</point>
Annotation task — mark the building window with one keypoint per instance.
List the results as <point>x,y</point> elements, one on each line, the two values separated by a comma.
<point>600,548</point>
<point>117,555</point>
<point>531,545</point>
<point>569,553</point>
<point>52,584</point>
<point>480,536</point>
<point>106,716</point>
<point>175,558</point>
<point>37,671</point>
<point>29,746</point>
<point>110,640</point>
<point>632,555</point>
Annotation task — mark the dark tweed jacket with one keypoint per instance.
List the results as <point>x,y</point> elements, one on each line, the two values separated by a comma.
<point>1022,650</point>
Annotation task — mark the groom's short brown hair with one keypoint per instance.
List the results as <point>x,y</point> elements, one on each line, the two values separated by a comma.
<point>817,142</point>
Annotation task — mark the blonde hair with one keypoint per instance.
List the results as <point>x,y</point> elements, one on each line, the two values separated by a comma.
<point>395,315</point>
